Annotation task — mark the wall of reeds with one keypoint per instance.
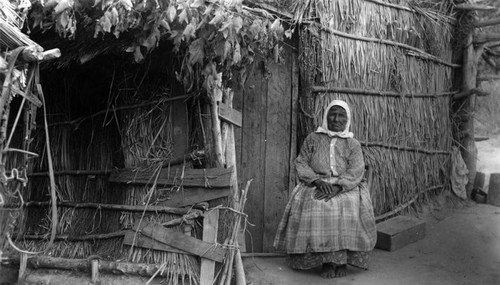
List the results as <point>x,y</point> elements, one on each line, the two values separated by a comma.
<point>392,64</point>
<point>140,129</point>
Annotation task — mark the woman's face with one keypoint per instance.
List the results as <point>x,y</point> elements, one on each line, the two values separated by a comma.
<point>336,119</point>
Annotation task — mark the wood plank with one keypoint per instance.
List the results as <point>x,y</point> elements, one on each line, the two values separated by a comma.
<point>147,242</point>
<point>294,116</point>
<point>278,139</point>
<point>253,147</point>
<point>210,228</point>
<point>230,115</point>
<point>208,178</point>
<point>191,196</point>
<point>181,241</point>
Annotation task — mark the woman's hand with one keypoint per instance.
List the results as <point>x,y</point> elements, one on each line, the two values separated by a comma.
<point>326,190</point>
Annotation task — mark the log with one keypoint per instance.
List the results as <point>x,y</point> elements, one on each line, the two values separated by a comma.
<point>475,7</point>
<point>84,265</point>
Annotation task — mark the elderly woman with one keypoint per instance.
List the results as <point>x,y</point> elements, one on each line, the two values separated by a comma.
<point>329,219</point>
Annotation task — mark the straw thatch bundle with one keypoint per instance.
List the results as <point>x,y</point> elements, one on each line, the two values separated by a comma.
<point>388,63</point>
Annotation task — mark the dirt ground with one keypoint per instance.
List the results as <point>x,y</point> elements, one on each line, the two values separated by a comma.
<point>461,246</point>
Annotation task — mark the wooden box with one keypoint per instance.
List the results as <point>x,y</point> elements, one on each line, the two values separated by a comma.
<point>398,232</point>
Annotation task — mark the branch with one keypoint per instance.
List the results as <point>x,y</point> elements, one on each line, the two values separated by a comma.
<point>488,78</point>
<point>470,92</point>
<point>475,7</point>
<point>371,92</point>
<point>403,206</point>
<point>482,38</point>
<point>75,238</point>
<point>115,207</point>
<point>489,22</point>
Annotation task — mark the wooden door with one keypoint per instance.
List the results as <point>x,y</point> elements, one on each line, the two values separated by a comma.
<point>266,145</point>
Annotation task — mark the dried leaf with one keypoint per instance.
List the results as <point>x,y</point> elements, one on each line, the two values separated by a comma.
<point>196,52</point>
<point>171,13</point>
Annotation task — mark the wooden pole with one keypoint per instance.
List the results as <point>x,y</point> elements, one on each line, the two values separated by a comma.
<point>116,207</point>
<point>469,150</point>
<point>85,265</point>
<point>215,97</point>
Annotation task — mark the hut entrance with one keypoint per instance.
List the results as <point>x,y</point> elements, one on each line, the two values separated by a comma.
<point>266,144</point>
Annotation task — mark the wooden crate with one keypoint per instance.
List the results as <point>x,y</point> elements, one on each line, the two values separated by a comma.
<point>398,232</point>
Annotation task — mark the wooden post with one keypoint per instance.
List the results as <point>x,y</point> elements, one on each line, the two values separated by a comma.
<point>23,263</point>
<point>215,97</point>
<point>210,228</point>
<point>94,269</point>
<point>469,150</point>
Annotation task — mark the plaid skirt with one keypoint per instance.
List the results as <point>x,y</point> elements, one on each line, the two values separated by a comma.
<point>346,222</point>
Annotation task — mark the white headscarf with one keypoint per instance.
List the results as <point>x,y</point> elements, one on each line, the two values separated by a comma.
<point>324,128</point>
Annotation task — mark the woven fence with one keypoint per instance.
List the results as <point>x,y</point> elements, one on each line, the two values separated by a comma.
<point>392,64</point>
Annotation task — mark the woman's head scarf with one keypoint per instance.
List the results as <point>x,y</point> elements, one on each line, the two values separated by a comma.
<point>324,127</point>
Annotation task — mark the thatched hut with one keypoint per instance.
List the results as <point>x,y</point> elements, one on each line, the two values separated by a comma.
<point>143,142</point>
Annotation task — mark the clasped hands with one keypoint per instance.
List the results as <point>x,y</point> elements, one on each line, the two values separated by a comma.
<point>325,191</point>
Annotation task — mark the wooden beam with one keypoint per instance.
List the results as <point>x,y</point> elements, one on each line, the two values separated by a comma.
<point>470,92</point>
<point>179,240</point>
<point>117,207</point>
<point>206,178</point>
<point>142,241</point>
<point>475,7</point>
<point>489,22</point>
<point>84,265</point>
<point>482,38</point>
<point>488,78</point>
<point>417,52</point>
<point>230,115</point>
<point>371,92</point>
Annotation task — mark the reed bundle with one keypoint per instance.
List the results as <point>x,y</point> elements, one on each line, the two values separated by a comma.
<point>11,36</point>
<point>405,139</point>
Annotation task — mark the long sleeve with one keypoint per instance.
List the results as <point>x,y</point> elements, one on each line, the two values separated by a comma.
<point>355,168</point>
<point>302,163</point>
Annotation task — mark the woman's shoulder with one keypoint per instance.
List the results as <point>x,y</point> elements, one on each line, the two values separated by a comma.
<point>353,143</point>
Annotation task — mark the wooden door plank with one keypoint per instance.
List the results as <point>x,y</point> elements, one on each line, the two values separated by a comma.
<point>253,146</point>
<point>181,241</point>
<point>208,178</point>
<point>210,228</point>
<point>147,242</point>
<point>277,157</point>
